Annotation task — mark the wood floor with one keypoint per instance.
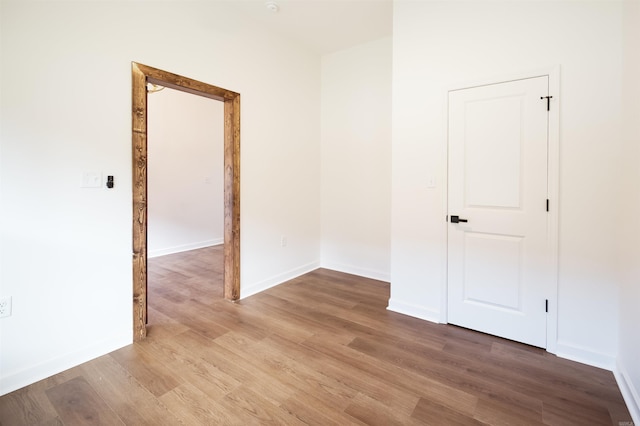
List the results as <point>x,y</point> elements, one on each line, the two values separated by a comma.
<point>321,350</point>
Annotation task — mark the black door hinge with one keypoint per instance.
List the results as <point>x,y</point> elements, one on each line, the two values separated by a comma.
<point>548,98</point>
<point>547,204</point>
<point>546,305</point>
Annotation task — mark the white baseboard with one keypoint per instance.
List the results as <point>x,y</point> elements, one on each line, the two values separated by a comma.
<point>184,247</point>
<point>251,289</point>
<point>585,356</point>
<point>361,272</point>
<point>414,310</point>
<point>629,392</point>
<point>54,366</point>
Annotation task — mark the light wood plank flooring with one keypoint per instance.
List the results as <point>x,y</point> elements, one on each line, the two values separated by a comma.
<point>321,350</point>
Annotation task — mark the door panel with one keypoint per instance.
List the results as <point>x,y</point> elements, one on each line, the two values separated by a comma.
<point>498,182</point>
<point>498,257</point>
<point>495,146</point>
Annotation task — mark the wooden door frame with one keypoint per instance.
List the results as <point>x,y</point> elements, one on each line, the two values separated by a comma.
<point>140,76</point>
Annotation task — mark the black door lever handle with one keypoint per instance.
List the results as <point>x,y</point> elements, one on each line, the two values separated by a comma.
<point>456,219</point>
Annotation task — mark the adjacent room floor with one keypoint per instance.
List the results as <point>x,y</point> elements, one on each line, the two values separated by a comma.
<point>321,349</point>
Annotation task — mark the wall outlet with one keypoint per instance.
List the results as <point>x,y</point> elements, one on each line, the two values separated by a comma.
<point>5,307</point>
<point>283,241</point>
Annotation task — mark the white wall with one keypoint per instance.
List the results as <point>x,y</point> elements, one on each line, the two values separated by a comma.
<point>185,172</point>
<point>628,372</point>
<point>356,159</point>
<point>442,45</point>
<point>65,108</point>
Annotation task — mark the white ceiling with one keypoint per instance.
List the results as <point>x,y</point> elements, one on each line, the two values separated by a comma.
<point>323,26</point>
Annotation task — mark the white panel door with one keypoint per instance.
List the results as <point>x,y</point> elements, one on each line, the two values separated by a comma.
<point>497,259</point>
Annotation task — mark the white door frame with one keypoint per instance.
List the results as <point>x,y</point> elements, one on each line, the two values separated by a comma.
<point>553,191</point>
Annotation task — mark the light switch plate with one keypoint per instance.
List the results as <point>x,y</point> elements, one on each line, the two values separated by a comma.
<point>91,180</point>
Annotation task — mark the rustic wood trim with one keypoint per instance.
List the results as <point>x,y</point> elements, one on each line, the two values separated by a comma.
<point>232,197</point>
<point>139,174</point>
<point>185,84</point>
<point>141,74</point>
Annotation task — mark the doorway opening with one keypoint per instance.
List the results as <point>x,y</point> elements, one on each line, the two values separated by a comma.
<point>141,75</point>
